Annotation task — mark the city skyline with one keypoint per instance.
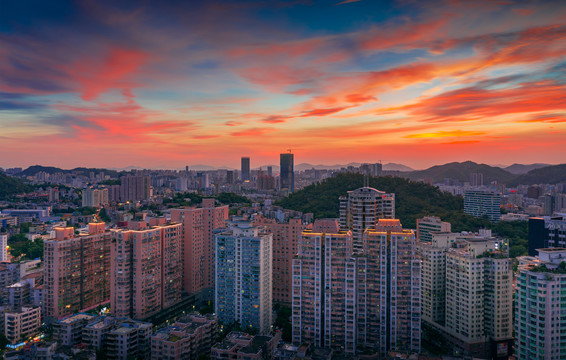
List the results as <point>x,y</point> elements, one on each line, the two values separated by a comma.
<point>165,85</point>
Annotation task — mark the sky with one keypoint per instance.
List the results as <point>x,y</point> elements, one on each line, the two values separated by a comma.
<point>164,84</point>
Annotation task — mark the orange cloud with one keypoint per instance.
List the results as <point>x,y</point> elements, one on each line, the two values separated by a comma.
<point>251,132</point>
<point>442,134</point>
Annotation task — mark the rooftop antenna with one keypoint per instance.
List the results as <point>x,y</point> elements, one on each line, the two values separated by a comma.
<point>289,150</point>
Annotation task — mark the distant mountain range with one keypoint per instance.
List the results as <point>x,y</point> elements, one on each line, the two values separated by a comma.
<point>548,174</point>
<point>510,175</point>
<point>523,169</point>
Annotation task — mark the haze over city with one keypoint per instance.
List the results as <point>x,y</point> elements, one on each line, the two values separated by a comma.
<point>108,84</point>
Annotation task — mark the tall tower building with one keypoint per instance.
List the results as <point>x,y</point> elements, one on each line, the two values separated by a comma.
<point>245,168</point>
<point>350,300</point>
<point>286,162</point>
<point>243,283</point>
<point>361,209</point>
<point>146,274</point>
<point>540,302</point>
<point>77,270</point>
<point>198,244</point>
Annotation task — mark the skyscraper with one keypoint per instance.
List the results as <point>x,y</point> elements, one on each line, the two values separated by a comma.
<point>146,273</point>
<point>348,299</point>
<point>361,209</point>
<point>429,224</point>
<point>287,177</point>
<point>243,283</point>
<point>77,270</point>
<point>198,244</point>
<point>245,168</point>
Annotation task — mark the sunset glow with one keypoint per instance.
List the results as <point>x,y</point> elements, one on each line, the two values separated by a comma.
<point>175,83</point>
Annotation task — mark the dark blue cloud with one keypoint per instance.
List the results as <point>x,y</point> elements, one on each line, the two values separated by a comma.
<point>14,102</point>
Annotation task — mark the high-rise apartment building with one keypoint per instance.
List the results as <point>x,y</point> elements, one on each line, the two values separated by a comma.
<point>361,209</point>
<point>467,292</point>
<point>540,303</point>
<point>77,270</point>
<point>94,197</point>
<point>429,224</point>
<point>198,244</point>
<point>287,172</point>
<point>245,168</point>
<point>286,237</point>
<point>480,203</point>
<point>243,291</point>
<point>350,300</point>
<point>134,188</point>
<point>146,273</point>
<point>546,232</point>
<point>3,248</point>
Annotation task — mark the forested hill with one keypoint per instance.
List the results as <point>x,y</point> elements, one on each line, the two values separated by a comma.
<point>412,199</point>
<point>11,186</point>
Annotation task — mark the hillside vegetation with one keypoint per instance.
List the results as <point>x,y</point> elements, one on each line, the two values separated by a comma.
<point>10,186</point>
<point>413,200</point>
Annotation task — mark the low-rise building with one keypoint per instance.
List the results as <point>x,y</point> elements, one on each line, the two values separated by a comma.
<point>69,330</point>
<point>21,323</point>
<point>242,346</point>
<point>190,337</point>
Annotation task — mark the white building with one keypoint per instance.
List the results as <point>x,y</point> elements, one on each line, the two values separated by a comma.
<point>361,209</point>
<point>3,248</point>
<point>430,224</point>
<point>540,306</point>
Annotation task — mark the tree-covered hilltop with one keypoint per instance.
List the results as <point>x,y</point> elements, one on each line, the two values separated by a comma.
<point>10,186</point>
<point>413,200</point>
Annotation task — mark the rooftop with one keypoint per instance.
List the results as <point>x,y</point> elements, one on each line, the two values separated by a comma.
<point>76,317</point>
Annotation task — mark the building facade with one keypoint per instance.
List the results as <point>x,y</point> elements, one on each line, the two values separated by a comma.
<point>77,270</point>
<point>287,172</point>
<point>345,299</point>
<point>146,272</point>
<point>429,224</point>
<point>479,203</point>
<point>286,237</point>
<point>540,303</point>
<point>361,209</point>
<point>198,244</point>
<point>245,169</point>
<point>243,286</point>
